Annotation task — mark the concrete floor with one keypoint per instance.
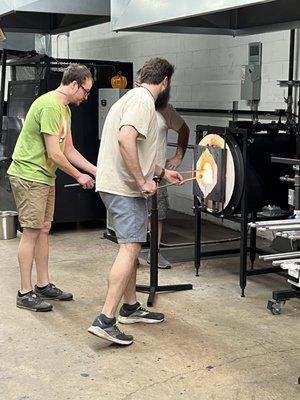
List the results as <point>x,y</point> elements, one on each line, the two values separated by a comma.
<point>214,345</point>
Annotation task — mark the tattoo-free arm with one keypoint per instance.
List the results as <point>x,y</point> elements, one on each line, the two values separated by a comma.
<point>127,141</point>
<point>55,154</point>
<point>77,158</point>
<point>182,142</point>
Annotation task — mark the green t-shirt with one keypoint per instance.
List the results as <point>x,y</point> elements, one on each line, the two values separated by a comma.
<point>47,115</point>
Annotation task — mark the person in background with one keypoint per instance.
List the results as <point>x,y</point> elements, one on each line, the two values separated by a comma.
<point>167,119</point>
<point>45,144</point>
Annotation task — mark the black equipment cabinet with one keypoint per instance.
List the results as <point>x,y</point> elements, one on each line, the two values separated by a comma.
<point>11,128</point>
<point>36,75</point>
<point>259,184</point>
<point>21,94</point>
<point>84,205</point>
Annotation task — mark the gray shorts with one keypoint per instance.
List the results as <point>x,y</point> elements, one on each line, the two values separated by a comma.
<point>127,216</point>
<point>162,202</point>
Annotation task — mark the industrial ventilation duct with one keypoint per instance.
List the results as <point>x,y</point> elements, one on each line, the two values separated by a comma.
<point>226,17</point>
<point>52,16</point>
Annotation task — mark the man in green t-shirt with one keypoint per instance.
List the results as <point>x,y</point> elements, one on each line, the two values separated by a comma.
<point>45,144</point>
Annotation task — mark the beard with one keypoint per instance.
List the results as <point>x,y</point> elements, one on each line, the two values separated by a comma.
<point>163,99</point>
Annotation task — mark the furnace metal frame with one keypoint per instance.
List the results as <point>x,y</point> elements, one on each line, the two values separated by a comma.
<point>242,219</point>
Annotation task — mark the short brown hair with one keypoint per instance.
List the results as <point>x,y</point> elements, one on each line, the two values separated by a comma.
<point>154,71</point>
<point>76,72</point>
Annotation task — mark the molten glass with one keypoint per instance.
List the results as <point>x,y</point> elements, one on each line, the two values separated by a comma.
<point>206,173</point>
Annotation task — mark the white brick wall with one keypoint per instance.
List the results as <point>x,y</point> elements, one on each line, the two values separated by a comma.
<point>207,67</point>
<point>207,75</point>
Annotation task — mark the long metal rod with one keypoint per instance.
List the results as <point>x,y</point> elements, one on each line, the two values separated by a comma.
<point>173,144</point>
<point>197,224</point>
<point>298,92</point>
<point>280,262</point>
<point>205,242</point>
<point>270,257</point>
<point>252,254</point>
<point>274,222</point>
<point>228,112</point>
<point>181,183</point>
<point>154,242</point>
<point>72,185</point>
<point>276,227</point>
<point>244,221</point>
<point>291,61</point>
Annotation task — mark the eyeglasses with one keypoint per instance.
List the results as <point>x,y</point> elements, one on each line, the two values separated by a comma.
<point>86,92</point>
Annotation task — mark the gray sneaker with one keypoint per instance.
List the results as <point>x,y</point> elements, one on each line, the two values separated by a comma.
<point>51,292</point>
<point>140,314</point>
<point>33,302</point>
<point>162,263</point>
<point>110,332</point>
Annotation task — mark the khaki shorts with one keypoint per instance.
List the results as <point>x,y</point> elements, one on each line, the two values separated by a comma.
<point>35,202</point>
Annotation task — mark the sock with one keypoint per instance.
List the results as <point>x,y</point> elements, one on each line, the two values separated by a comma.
<point>23,294</point>
<point>42,287</point>
<point>107,321</point>
<point>131,307</point>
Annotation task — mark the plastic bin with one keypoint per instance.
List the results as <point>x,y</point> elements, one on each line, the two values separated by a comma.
<point>8,224</point>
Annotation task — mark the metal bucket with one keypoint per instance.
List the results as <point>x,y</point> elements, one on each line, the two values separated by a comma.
<point>8,224</point>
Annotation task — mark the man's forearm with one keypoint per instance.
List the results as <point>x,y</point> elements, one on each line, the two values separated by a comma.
<point>62,163</point>
<point>129,154</point>
<point>182,141</point>
<point>79,161</point>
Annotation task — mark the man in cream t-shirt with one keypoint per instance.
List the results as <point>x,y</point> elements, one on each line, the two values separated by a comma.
<point>167,119</point>
<point>125,168</point>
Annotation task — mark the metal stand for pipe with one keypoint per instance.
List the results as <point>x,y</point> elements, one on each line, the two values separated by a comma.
<point>154,288</point>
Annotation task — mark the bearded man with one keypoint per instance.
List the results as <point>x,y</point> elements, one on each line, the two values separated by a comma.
<point>125,169</point>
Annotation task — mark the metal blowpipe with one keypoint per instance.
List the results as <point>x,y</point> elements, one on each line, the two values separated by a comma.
<point>279,256</point>
<point>159,187</point>
<point>274,222</point>
<point>72,185</point>
<point>179,183</point>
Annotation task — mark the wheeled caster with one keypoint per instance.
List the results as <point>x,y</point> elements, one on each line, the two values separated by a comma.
<point>275,306</point>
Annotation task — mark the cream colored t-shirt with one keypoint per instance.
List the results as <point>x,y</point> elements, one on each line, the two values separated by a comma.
<point>166,119</point>
<point>135,108</point>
